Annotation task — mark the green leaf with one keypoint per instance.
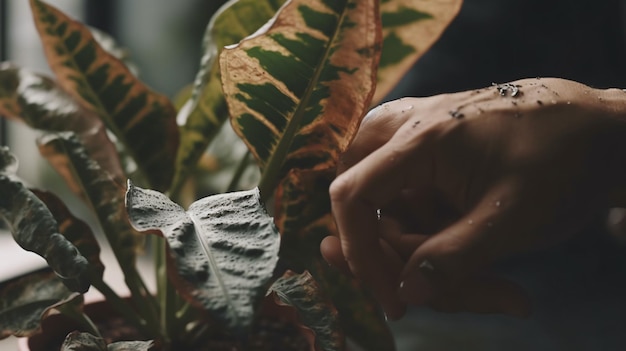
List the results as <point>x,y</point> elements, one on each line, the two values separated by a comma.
<point>77,341</point>
<point>315,311</point>
<point>298,88</point>
<point>68,156</point>
<point>303,216</point>
<point>410,27</point>
<point>39,102</point>
<point>141,119</point>
<point>203,114</point>
<point>26,301</point>
<point>35,229</point>
<point>224,248</point>
<point>74,230</point>
<point>110,45</point>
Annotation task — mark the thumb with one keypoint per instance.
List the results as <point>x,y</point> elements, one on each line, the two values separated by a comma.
<point>447,270</point>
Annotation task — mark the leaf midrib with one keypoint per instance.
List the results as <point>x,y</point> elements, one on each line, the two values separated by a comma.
<point>213,265</point>
<point>269,179</point>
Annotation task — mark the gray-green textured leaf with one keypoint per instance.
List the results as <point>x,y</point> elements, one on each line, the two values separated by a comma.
<point>77,341</point>
<point>225,248</point>
<point>35,229</point>
<point>26,301</point>
<point>315,311</point>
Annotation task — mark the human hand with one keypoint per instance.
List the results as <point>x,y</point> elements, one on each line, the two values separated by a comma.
<point>463,180</point>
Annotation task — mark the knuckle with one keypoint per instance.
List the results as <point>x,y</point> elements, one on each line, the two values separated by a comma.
<point>342,187</point>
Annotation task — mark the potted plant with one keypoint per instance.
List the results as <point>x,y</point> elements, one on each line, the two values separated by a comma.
<point>294,78</point>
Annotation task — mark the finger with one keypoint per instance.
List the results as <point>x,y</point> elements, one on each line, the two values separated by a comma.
<point>377,127</point>
<point>358,193</point>
<point>485,295</point>
<point>404,244</point>
<point>330,248</point>
<point>447,260</point>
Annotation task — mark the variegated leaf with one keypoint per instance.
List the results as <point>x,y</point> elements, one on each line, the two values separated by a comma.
<point>68,156</point>
<point>297,88</point>
<point>360,315</point>
<point>35,229</point>
<point>74,230</point>
<point>224,249</point>
<point>77,341</point>
<point>141,119</point>
<point>315,311</point>
<point>24,302</point>
<point>203,114</point>
<point>108,43</point>
<point>410,27</point>
<point>304,218</point>
<point>40,103</point>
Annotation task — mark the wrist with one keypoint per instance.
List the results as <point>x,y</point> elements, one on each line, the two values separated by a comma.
<point>614,100</point>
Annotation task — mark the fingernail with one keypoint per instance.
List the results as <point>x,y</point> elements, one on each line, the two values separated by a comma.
<point>415,289</point>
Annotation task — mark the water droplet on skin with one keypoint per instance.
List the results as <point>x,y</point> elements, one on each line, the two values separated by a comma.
<point>410,107</point>
<point>470,221</point>
<point>498,203</point>
<point>569,102</point>
<point>553,102</point>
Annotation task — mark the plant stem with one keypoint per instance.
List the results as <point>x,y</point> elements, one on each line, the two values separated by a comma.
<point>82,319</point>
<point>241,168</point>
<point>125,310</point>
<point>142,298</point>
<point>166,294</point>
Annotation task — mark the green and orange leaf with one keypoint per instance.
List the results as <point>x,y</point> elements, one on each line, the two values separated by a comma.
<point>141,119</point>
<point>316,312</point>
<point>39,102</point>
<point>205,111</point>
<point>298,88</point>
<point>68,156</point>
<point>360,315</point>
<point>304,218</point>
<point>410,27</point>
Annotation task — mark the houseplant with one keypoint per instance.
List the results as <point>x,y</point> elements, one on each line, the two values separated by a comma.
<point>294,78</point>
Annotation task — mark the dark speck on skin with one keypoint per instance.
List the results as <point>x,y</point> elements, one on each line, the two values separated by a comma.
<point>503,89</point>
<point>415,123</point>
<point>539,102</point>
<point>456,114</point>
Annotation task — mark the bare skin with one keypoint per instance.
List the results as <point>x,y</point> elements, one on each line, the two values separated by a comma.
<point>467,179</point>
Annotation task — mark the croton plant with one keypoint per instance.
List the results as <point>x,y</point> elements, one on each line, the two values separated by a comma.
<point>293,78</point>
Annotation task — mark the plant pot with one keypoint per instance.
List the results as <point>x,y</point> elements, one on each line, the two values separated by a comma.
<point>56,327</point>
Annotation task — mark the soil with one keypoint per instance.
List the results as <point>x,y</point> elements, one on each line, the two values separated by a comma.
<point>269,335</point>
<point>273,331</point>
